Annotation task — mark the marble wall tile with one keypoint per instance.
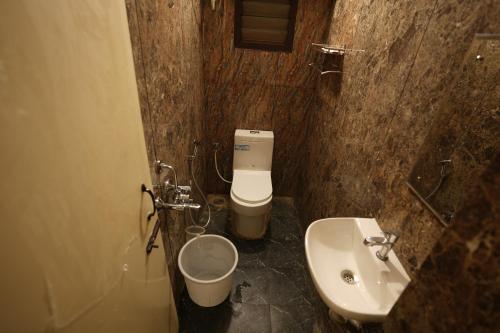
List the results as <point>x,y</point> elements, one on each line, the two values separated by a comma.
<point>312,24</point>
<point>289,119</point>
<point>448,36</point>
<point>456,289</point>
<point>371,121</point>
<point>167,45</point>
<point>140,77</point>
<point>450,31</point>
<point>465,131</point>
<point>254,89</point>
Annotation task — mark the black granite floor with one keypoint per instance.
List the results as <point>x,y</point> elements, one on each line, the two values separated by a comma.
<point>272,290</point>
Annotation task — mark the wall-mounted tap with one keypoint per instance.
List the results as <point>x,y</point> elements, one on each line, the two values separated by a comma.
<point>178,205</point>
<point>177,196</point>
<point>160,166</point>
<point>386,243</point>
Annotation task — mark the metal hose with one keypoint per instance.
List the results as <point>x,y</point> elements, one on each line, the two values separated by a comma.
<point>216,147</point>
<point>191,158</point>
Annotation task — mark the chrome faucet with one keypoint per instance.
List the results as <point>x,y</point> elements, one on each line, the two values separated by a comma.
<point>176,198</point>
<point>386,243</point>
<point>180,199</point>
<point>160,166</point>
<point>177,205</point>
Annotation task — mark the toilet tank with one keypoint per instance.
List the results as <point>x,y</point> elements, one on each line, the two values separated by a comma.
<point>253,150</point>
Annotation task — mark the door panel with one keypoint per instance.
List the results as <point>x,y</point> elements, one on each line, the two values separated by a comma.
<point>73,229</point>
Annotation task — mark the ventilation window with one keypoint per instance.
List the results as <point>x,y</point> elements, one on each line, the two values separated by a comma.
<point>265,24</point>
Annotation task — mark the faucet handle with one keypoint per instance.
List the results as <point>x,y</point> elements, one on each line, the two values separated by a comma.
<point>184,189</point>
<point>159,203</point>
<point>391,236</point>
<point>183,205</point>
<point>168,185</point>
<point>183,198</point>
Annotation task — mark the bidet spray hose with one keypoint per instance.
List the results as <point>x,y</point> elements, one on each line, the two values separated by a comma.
<point>216,147</point>
<point>191,159</point>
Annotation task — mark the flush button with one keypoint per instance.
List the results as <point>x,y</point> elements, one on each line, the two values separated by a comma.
<point>254,132</point>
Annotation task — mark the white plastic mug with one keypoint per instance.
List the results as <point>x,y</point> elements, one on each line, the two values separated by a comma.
<point>193,231</point>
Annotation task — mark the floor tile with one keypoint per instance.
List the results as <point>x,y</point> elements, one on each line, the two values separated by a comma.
<point>272,290</point>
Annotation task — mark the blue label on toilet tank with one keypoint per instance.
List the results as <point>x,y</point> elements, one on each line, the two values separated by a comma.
<point>242,147</point>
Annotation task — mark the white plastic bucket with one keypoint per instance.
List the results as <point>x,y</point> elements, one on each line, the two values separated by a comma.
<point>207,263</point>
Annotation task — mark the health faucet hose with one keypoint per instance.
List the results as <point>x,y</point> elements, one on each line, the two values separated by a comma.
<point>191,158</point>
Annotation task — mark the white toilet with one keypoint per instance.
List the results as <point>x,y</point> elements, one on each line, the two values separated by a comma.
<point>251,191</point>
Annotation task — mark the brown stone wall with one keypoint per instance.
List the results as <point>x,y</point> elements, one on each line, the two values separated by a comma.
<point>167,46</point>
<point>254,89</point>
<point>369,123</point>
<point>466,131</point>
<point>457,289</point>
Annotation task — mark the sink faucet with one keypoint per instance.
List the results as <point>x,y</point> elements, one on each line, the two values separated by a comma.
<point>386,243</point>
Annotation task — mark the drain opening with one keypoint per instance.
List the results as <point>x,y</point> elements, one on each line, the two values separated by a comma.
<point>348,277</point>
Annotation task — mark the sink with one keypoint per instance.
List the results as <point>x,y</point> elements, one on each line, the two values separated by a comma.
<point>348,276</point>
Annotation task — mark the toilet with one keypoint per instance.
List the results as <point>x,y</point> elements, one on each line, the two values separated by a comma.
<point>251,190</point>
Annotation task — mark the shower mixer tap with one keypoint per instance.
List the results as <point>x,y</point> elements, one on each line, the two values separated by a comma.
<point>177,196</point>
<point>160,166</point>
<point>179,204</point>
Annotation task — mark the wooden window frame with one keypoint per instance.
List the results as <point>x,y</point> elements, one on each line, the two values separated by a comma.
<point>287,47</point>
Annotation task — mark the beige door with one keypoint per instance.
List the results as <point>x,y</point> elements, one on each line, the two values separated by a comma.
<point>73,226</point>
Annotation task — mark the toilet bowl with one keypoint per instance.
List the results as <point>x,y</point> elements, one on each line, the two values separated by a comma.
<point>251,190</point>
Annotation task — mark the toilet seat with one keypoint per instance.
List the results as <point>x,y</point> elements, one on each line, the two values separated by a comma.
<point>252,187</point>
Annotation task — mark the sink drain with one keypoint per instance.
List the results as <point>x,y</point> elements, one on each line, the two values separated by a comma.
<point>348,277</point>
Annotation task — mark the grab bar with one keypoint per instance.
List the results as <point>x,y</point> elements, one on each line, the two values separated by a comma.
<point>443,175</point>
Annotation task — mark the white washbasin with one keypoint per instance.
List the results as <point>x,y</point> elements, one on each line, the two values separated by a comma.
<point>335,245</point>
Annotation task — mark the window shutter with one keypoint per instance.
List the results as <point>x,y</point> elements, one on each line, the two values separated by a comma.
<point>265,24</point>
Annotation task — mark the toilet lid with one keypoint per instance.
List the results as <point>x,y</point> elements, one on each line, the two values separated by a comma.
<point>252,186</point>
